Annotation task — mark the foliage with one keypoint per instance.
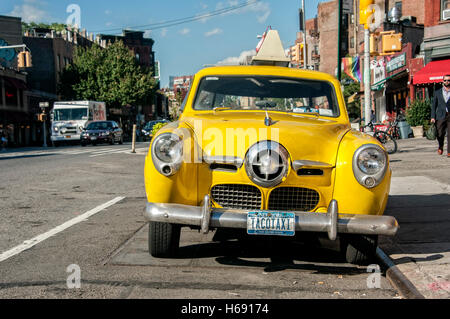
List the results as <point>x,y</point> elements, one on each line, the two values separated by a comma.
<point>174,111</point>
<point>419,113</point>
<point>350,88</point>
<point>54,26</point>
<point>111,75</point>
<point>157,127</point>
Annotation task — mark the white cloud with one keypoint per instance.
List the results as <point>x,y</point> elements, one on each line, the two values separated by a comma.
<point>185,31</point>
<point>108,12</point>
<point>238,59</point>
<point>31,11</point>
<point>147,33</point>
<point>213,32</point>
<point>262,9</point>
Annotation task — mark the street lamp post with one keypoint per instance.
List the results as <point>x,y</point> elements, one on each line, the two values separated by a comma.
<point>44,106</point>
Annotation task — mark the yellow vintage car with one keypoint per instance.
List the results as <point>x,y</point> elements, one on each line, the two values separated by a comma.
<point>270,151</point>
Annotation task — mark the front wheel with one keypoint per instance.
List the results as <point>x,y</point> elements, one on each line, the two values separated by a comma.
<point>163,239</point>
<point>388,142</point>
<point>359,249</point>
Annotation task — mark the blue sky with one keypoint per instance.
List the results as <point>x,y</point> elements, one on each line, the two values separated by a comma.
<point>181,49</point>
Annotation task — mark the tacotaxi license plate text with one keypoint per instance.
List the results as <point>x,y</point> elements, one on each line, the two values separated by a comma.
<point>271,223</point>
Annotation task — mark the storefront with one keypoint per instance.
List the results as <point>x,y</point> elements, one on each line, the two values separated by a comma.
<point>429,78</point>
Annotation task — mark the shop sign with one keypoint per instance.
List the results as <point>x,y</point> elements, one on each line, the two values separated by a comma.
<point>396,63</point>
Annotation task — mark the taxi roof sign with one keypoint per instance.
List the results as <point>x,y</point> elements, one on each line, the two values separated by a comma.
<point>271,51</point>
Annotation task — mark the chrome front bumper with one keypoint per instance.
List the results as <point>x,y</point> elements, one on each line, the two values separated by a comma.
<point>332,223</point>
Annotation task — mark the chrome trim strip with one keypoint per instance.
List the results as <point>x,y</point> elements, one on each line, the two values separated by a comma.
<point>299,164</point>
<point>231,160</point>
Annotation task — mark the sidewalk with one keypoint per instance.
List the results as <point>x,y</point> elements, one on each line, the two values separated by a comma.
<point>420,200</point>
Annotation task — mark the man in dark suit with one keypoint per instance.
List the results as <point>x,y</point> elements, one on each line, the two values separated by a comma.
<point>440,114</point>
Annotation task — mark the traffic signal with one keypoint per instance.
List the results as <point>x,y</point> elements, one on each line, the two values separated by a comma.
<point>295,53</point>
<point>28,62</point>
<point>373,45</point>
<point>391,42</point>
<point>21,60</point>
<point>302,53</point>
<point>365,12</point>
<point>24,60</point>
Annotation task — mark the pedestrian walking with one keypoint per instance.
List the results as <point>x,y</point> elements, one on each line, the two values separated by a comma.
<point>440,114</point>
<point>3,141</point>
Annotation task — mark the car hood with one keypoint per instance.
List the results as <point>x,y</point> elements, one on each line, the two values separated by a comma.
<point>305,137</point>
<point>97,131</point>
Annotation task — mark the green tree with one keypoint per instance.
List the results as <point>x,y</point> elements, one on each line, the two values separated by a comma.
<point>54,26</point>
<point>111,75</point>
<point>351,87</point>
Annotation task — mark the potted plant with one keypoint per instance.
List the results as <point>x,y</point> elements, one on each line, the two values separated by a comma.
<point>418,115</point>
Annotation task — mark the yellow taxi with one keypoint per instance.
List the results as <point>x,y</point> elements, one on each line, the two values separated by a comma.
<point>267,150</point>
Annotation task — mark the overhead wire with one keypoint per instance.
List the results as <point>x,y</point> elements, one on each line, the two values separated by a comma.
<point>170,23</point>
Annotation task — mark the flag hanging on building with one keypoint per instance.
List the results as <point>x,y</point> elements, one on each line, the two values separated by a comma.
<point>352,68</point>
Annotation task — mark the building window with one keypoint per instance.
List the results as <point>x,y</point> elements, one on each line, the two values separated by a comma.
<point>352,42</point>
<point>445,10</point>
<point>10,94</point>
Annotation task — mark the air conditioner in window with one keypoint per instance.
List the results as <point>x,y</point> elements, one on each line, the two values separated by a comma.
<point>446,14</point>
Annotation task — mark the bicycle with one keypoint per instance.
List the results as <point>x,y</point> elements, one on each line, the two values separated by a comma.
<point>386,139</point>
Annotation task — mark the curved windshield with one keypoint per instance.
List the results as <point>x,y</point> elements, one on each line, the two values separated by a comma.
<point>99,126</point>
<point>70,114</point>
<point>266,93</point>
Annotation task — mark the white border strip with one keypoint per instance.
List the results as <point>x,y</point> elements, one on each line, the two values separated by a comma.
<point>40,238</point>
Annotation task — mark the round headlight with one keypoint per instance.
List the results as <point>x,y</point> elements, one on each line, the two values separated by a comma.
<point>371,161</point>
<point>168,148</point>
<point>370,164</point>
<point>167,153</point>
<point>56,129</point>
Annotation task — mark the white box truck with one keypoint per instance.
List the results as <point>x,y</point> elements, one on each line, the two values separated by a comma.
<point>70,118</point>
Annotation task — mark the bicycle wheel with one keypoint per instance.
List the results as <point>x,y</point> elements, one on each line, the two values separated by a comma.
<point>388,142</point>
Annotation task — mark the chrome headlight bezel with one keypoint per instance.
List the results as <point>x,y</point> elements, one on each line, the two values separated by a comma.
<point>372,177</point>
<point>167,166</point>
<point>252,159</point>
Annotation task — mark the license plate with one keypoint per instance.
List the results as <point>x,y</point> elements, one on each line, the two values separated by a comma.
<point>271,223</point>
<point>68,137</point>
<point>93,138</point>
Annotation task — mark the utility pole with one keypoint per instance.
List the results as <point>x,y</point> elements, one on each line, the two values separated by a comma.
<point>339,40</point>
<point>365,11</point>
<point>303,28</point>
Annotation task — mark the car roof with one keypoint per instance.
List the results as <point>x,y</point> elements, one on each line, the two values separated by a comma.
<point>266,71</point>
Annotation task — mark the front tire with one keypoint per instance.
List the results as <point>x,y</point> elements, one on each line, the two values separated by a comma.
<point>359,249</point>
<point>163,239</point>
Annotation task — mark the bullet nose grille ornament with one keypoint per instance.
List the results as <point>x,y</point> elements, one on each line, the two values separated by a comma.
<point>267,163</point>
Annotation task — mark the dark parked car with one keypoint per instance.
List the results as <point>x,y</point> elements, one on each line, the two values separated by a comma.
<point>148,128</point>
<point>102,132</point>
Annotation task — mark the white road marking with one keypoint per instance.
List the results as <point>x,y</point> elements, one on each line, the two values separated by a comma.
<point>40,238</point>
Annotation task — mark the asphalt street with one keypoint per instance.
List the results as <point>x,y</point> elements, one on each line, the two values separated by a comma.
<point>42,190</point>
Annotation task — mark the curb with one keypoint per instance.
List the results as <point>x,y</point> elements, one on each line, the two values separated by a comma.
<point>397,279</point>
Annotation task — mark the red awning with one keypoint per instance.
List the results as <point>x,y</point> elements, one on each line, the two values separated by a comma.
<point>433,72</point>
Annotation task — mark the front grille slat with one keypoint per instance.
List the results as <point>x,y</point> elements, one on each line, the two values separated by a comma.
<point>237,196</point>
<point>293,199</point>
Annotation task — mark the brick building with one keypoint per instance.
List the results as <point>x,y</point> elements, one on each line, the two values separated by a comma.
<point>16,120</point>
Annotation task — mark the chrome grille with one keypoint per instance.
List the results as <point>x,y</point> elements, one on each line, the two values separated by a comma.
<point>237,196</point>
<point>293,199</point>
